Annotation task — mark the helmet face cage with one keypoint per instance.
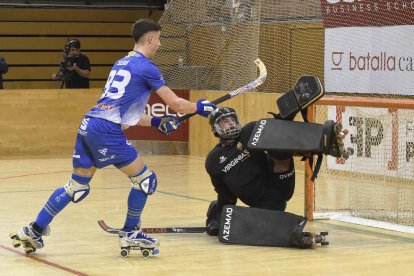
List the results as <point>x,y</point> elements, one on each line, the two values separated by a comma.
<point>228,133</point>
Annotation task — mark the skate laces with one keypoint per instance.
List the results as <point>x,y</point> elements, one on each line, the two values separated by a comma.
<point>33,234</point>
<point>138,234</point>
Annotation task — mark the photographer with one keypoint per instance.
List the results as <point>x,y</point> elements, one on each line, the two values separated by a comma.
<point>75,68</point>
<point>3,70</point>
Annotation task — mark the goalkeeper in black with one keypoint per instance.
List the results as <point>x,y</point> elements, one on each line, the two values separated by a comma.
<point>259,179</point>
<point>265,179</point>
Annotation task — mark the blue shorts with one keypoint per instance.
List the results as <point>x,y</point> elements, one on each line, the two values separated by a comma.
<point>101,143</point>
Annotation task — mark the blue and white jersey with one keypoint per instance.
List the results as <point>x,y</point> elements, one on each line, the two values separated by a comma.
<point>127,90</point>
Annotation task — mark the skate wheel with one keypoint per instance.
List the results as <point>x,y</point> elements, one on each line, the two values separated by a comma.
<point>124,253</point>
<point>16,243</point>
<point>337,128</point>
<point>345,155</point>
<point>29,249</point>
<point>145,253</point>
<point>155,252</point>
<point>324,233</point>
<point>325,243</point>
<point>350,150</point>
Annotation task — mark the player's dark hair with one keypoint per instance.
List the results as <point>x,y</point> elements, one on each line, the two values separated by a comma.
<point>143,26</point>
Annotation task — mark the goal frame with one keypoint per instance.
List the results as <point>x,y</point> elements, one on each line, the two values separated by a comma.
<point>375,102</point>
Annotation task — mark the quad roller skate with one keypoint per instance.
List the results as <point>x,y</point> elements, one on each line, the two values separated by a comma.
<point>17,242</point>
<point>136,240</point>
<point>311,239</point>
<point>29,238</point>
<point>334,135</point>
<point>340,134</point>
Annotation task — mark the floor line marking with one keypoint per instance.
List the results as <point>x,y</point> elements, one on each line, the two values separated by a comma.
<point>44,261</point>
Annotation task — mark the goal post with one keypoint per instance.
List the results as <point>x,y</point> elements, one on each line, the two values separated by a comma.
<point>374,186</point>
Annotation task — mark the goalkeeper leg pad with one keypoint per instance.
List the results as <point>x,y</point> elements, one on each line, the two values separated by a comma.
<point>296,137</point>
<point>254,226</point>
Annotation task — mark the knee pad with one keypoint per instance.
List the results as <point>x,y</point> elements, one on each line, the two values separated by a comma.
<point>146,181</point>
<point>78,187</point>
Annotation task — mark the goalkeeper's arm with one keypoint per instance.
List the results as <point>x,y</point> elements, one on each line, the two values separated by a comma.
<point>224,197</point>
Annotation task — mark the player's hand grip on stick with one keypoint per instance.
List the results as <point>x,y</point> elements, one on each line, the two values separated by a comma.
<point>247,87</point>
<point>165,124</point>
<point>204,107</point>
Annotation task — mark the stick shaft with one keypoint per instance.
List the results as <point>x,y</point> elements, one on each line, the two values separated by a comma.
<point>240,90</point>
<point>111,230</point>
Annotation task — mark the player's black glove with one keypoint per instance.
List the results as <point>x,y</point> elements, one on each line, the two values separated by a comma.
<point>213,219</point>
<point>165,124</point>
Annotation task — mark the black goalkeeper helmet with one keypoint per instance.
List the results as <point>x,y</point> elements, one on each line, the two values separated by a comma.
<point>219,114</point>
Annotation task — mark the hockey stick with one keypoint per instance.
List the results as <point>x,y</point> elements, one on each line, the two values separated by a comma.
<point>247,87</point>
<point>111,230</point>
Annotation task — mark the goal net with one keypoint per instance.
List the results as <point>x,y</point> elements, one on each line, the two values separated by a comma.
<point>376,183</point>
<point>212,44</point>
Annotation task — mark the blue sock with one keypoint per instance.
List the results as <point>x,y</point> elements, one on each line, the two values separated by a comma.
<point>57,201</point>
<point>136,203</point>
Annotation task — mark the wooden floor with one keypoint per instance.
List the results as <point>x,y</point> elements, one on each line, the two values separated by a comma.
<point>78,246</point>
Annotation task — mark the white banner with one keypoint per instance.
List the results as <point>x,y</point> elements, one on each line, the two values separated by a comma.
<point>370,60</point>
<point>383,140</point>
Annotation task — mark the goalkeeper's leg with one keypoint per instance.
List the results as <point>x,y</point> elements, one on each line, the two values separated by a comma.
<point>286,137</point>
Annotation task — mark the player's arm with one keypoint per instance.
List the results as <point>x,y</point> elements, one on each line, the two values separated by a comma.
<point>224,195</point>
<point>165,124</point>
<point>83,67</point>
<point>176,103</point>
<point>145,120</point>
<point>84,73</point>
<point>202,107</point>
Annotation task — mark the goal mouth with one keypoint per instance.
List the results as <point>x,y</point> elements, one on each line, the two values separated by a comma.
<point>374,186</point>
<point>347,217</point>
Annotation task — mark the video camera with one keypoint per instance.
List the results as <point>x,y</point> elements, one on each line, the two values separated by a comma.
<point>69,60</point>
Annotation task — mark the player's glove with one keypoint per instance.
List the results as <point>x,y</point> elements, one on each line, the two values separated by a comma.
<point>204,107</point>
<point>213,219</point>
<point>165,124</point>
